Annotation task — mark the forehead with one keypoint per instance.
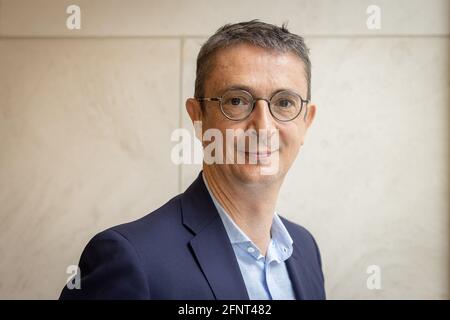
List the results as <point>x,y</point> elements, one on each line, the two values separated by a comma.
<point>261,69</point>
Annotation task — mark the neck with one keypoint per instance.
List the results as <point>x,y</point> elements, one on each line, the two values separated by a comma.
<point>251,206</point>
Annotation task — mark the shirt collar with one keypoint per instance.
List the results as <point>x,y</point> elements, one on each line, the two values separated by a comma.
<point>280,246</point>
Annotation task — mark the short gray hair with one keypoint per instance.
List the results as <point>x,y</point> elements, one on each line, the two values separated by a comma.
<point>252,32</point>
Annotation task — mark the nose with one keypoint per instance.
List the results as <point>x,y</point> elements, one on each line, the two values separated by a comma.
<point>263,124</point>
<point>261,118</point>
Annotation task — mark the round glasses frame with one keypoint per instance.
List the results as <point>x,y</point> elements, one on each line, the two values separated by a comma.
<point>253,102</point>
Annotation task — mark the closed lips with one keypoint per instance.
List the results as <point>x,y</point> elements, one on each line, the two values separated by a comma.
<point>261,153</point>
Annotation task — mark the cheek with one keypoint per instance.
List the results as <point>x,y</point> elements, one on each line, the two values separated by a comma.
<point>212,121</point>
<point>291,140</point>
<point>218,126</point>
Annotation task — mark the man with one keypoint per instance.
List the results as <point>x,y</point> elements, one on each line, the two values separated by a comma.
<point>221,238</point>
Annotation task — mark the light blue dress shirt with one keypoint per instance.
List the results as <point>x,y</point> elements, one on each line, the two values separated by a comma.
<point>265,277</point>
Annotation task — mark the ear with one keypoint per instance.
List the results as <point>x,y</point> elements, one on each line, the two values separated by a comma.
<point>194,109</point>
<point>310,114</point>
<point>308,118</point>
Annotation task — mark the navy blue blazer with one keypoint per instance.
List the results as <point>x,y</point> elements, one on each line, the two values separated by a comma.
<point>182,251</point>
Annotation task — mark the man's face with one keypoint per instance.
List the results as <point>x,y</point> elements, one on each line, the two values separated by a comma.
<point>262,73</point>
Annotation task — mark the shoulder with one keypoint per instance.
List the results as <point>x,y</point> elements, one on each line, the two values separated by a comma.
<point>150,229</point>
<point>158,232</point>
<point>115,262</point>
<point>160,227</point>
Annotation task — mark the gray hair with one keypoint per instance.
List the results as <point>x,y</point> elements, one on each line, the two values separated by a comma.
<point>253,32</point>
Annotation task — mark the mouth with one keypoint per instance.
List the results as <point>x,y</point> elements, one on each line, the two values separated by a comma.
<point>260,154</point>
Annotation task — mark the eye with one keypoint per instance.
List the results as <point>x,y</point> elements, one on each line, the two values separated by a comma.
<point>236,101</point>
<point>285,103</point>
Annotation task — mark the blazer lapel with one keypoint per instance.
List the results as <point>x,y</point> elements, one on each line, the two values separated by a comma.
<point>298,271</point>
<point>210,244</point>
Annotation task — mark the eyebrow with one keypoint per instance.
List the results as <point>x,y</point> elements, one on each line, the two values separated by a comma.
<point>250,90</point>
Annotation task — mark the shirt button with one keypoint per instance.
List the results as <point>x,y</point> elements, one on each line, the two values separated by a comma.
<point>251,249</point>
<point>285,249</point>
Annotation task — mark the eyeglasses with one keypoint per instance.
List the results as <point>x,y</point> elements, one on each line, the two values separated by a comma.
<point>237,104</point>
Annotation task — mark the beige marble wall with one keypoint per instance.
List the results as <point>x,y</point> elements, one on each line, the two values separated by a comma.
<point>86,118</point>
